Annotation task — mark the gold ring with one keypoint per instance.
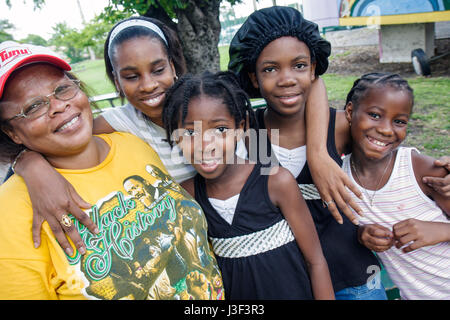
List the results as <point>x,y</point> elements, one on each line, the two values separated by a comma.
<point>66,221</point>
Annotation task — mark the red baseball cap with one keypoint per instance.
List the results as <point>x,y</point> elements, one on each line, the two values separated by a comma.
<point>14,55</point>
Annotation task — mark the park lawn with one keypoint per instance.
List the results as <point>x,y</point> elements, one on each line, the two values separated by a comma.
<point>223,52</point>
<point>428,129</point>
<point>92,73</point>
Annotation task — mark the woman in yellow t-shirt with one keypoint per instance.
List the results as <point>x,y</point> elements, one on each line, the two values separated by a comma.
<point>134,253</point>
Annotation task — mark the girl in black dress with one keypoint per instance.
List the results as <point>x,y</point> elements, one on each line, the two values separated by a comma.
<point>269,249</point>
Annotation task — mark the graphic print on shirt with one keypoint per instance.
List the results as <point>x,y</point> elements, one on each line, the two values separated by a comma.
<point>152,244</point>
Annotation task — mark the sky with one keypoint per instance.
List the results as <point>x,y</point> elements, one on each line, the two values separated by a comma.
<point>29,21</point>
<point>40,22</point>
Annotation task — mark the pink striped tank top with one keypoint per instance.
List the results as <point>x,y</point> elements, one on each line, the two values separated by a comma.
<point>423,273</point>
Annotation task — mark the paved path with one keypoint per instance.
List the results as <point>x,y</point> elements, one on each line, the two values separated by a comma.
<point>369,36</point>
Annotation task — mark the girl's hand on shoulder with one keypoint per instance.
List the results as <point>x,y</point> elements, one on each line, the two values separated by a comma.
<point>331,182</point>
<point>52,196</point>
<point>420,234</point>
<point>375,237</point>
<point>440,185</point>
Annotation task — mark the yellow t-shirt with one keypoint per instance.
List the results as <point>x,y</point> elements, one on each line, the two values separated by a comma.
<point>152,242</point>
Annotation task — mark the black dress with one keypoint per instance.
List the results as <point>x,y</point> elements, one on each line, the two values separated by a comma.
<point>348,260</point>
<point>257,254</point>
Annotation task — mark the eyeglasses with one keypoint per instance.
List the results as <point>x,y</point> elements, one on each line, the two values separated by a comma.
<point>39,106</point>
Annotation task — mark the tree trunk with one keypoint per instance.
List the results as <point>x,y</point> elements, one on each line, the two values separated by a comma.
<point>160,14</point>
<point>199,29</point>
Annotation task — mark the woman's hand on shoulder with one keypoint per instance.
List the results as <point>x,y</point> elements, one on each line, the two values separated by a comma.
<point>53,197</point>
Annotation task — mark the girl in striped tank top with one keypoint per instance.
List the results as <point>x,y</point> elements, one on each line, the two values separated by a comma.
<point>404,220</point>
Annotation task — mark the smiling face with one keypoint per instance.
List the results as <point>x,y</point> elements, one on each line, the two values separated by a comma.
<point>283,74</point>
<point>65,130</point>
<point>144,73</point>
<point>209,136</point>
<point>379,121</point>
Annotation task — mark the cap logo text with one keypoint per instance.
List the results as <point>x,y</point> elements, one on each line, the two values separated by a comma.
<point>8,54</point>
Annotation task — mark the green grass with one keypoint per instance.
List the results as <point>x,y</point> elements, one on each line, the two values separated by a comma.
<point>339,55</point>
<point>428,129</point>
<point>223,52</point>
<point>92,73</point>
<point>337,88</point>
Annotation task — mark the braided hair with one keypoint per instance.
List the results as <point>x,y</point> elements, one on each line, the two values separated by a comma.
<point>222,85</point>
<point>376,80</point>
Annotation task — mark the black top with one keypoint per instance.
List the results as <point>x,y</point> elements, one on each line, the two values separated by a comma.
<point>347,259</point>
<point>279,273</point>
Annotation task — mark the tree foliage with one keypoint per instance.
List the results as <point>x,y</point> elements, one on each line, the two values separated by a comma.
<point>195,21</point>
<point>69,41</point>
<point>37,3</point>
<point>35,39</point>
<point>5,25</point>
<point>74,43</point>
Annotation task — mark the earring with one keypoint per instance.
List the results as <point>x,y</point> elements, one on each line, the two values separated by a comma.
<point>176,78</point>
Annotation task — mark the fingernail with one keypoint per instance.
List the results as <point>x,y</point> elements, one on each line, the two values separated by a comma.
<point>36,245</point>
<point>96,231</point>
<point>356,222</point>
<point>82,250</point>
<point>69,251</point>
